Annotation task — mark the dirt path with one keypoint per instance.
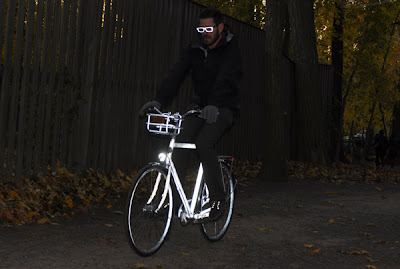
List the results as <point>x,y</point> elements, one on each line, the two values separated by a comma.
<point>276,225</point>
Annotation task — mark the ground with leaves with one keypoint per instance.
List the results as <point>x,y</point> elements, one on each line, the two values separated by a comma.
<point>318,219</point>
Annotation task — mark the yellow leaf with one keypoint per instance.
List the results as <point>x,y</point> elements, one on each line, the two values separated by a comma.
<point>308,246</point>
<point>316,251</point>
<point>120,173</point>
<point>355,252</point>
<point>329,192</point>
<point>12,195</point>
<point>370,266</point>
<point>371,224</point>
<point>43,221</point>
<point>32,214</point>
<point>264,229</point>
<point>193,246</point>
<point>140,265</point>
<point>331,221</point>
<point>183,254</point>
<point>68,201</point>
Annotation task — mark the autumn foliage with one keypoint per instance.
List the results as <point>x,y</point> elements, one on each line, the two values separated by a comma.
<point>64,193</point>
<point>59,193</point>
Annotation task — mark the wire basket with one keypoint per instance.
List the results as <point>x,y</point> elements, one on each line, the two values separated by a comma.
<point>164,124</point>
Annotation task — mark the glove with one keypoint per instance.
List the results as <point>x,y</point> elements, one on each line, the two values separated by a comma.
<point>147,106</point>
<point>210,114</point>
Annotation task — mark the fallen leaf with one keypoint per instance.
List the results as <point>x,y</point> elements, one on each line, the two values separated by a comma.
<point>107,240</point>
<point>371,224</point>
<point>118,212</point>
<point>331,221</point>
<point>382,242</point>
<point>140,265</point>
<point>183,254</point>
<point>316,251</point>
<point>330,192</point>
<point>370,266</point>
<point>43,221</point>
<point>264,229</point>
<point>193,246</point>
<point>308,246</point>
<point>109,225</point>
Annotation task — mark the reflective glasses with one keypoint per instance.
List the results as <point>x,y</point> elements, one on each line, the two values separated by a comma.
<point>208,29</point>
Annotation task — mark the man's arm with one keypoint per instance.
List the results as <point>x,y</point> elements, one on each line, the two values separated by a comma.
<point>171,84</point>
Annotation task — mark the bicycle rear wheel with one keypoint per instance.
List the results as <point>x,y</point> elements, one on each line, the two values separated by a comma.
<point>215,230</point>
<point>148,213</point>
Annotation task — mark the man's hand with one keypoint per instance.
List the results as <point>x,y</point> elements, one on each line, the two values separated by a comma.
<point>147,106</point>
<point>210,114</point>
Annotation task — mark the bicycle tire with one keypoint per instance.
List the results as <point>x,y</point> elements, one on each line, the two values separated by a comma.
<point>215,230</point>
<point>146,228</point>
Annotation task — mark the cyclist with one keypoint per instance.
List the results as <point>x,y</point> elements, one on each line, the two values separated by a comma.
<point>215,64</point>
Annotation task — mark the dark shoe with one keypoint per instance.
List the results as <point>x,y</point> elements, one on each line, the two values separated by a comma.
<point>217,209</point>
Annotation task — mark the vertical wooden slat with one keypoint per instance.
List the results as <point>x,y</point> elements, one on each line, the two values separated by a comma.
<point>98,95</point>
<point>67,106</point>
<point>33,108</point>
<point>51,90</point>
<point>108,92</point>
<point>13,110</point>
<point>5,83</point>
<point>74,151</point>
<point>22,119</point>
<point>59,89</point>
<point>39,158</point>
<point>2,22</point>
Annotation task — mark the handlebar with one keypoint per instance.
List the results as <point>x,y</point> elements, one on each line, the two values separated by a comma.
<point>177,114</point>
<point>167,123</point>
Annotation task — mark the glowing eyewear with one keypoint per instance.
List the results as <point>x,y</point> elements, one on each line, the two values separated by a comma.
<point>208,29</point>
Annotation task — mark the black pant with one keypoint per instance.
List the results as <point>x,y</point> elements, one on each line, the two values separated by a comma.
<point>205,136</point>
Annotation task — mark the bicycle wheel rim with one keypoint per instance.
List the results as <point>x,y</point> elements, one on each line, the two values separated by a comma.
<point>215,230</point>
<point>146,229</point>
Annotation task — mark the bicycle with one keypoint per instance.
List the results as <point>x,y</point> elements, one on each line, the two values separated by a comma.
<point>149,207</point>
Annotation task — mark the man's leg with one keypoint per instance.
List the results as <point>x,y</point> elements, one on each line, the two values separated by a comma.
<point>181,157</point>
<point>205,143</point>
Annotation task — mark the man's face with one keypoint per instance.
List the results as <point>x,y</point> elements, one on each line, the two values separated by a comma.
<point>210,38</point>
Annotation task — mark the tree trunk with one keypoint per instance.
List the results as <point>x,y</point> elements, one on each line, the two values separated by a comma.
<point>311,128</point>
<point>275,160</point>
<point>337,62</point>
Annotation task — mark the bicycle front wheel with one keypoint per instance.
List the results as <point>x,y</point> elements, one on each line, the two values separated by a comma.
<point>148,210</point>
<point>215,230</point>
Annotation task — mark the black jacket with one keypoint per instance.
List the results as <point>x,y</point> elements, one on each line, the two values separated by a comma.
<point>216,74</point>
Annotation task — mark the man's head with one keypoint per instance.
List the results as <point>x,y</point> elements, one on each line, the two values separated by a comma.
<point>210,26</point>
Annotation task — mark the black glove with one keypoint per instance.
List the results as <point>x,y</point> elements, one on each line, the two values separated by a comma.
<point>210,114</point>
<point>147,106</point>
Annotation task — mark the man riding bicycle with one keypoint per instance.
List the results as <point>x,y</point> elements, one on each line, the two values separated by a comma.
<point>215,64</point>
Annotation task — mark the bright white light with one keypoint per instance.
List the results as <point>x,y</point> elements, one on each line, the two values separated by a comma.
<point>162,157</point>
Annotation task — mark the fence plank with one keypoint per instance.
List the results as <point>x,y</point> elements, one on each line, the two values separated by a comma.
<point>13,109</point>
<point>5,83</point>
<point>57,149</point>
<point>34,93</point>
<point>40,160</point>
<point>22,119</point>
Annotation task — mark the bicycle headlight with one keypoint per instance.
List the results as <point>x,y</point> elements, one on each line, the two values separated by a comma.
<point>162,157</point>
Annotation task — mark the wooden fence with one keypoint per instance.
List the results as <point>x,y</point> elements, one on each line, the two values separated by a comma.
<point>74,74</point>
